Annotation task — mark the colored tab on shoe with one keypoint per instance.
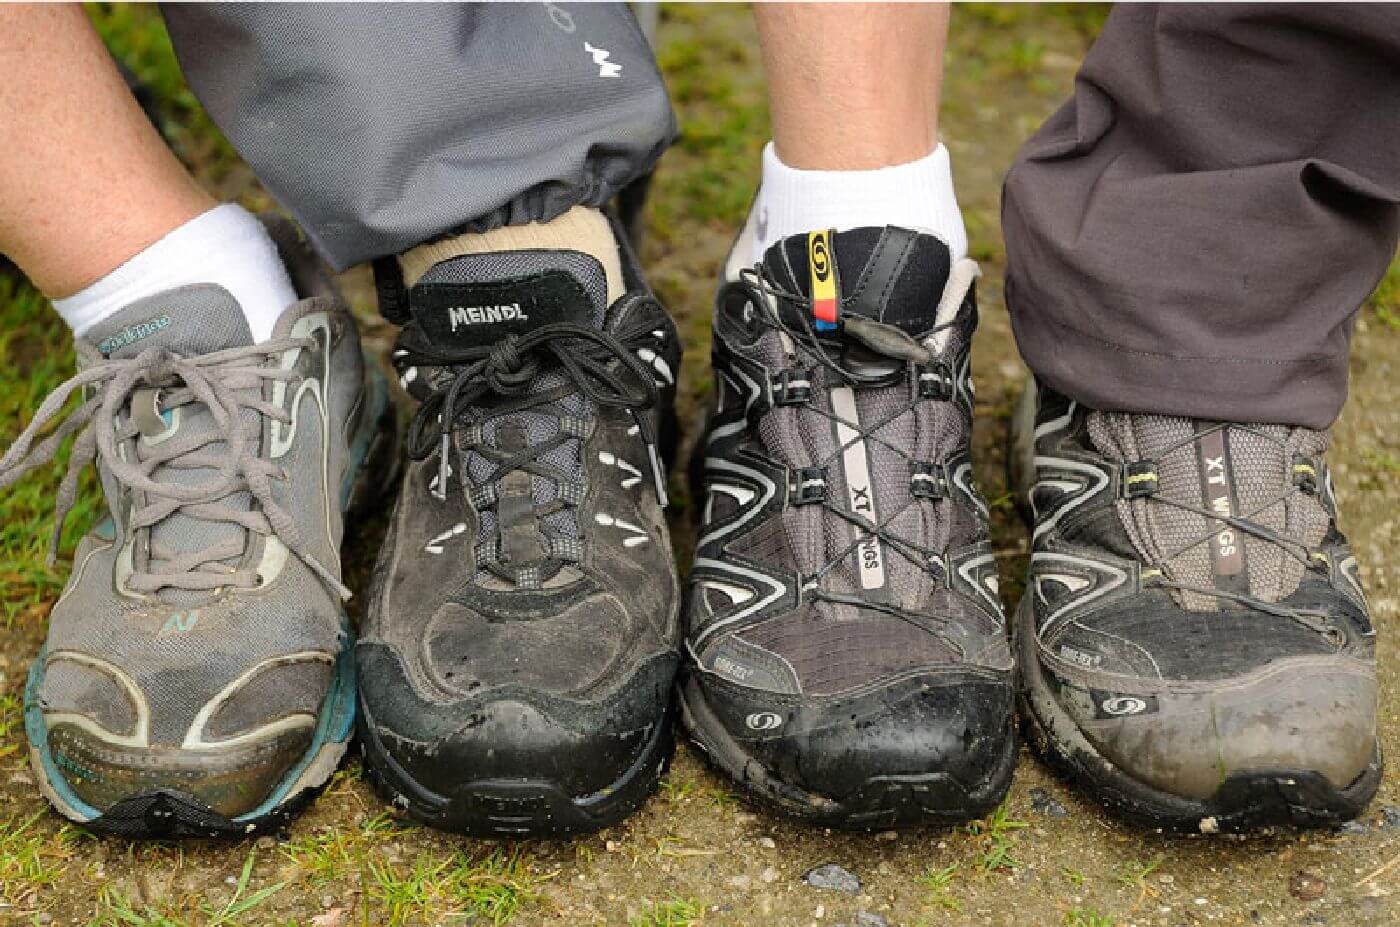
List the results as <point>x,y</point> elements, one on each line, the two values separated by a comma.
<point>891,275</point>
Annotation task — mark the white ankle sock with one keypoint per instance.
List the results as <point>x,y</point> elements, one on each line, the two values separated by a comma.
<point>227,246</point>
<point>918,195</point>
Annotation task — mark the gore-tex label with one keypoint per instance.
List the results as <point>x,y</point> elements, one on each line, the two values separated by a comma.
<point>1217,487</point>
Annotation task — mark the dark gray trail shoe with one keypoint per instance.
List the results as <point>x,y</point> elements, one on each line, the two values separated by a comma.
<point>197,678</point>
<point>849,662</point>
<point>517,663</point>
<point>1194,642</point>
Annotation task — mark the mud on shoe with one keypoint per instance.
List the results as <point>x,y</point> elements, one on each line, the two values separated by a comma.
<point>517,664</point>
<point>848,656</point>
<point>1194,644</point>
<point>197,677</point>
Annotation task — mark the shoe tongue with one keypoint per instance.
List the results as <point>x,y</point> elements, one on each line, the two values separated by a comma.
<point>1234,470</point>
<point>890,274</point>
<point>189,320</point>
<point>478,299</point>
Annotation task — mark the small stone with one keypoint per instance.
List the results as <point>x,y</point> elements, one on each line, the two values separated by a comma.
<point>867,919</point>
<point>44,918</point>
<point>820,912</point>
<point>1306,886</point>
<point>888,835</point>
<point>1209,825</point>
<point>1390,816</point>
<point>1349,829</point>
<point>265,843</point>
<point>612,846</point>
<point>741,882</point>
<point>1042,802</point>
<point>769,875</point>
<point>833,878</point>
<point>767,843</point>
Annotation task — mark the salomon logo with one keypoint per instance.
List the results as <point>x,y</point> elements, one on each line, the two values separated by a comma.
<point>763,721</point>
<point>1123,705</point>
<point>477,315</point>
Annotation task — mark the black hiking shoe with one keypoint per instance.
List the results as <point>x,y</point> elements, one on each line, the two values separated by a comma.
<point>1194,644</point>
<point>849,662</point>
<point>521,645</point>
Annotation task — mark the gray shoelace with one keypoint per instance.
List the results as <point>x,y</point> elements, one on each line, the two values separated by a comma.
<point>226,383</point>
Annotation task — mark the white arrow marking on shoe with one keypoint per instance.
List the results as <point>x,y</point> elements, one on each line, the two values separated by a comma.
<point>657,363</point>
<point>640,536</point>
<point>434,546</point>
<point>613,461</point>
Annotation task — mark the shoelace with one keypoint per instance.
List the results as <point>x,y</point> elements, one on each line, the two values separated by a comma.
<point>225,383</point>
<point>1317,621</point>
<point>885,341</point>
<point>491,381</point>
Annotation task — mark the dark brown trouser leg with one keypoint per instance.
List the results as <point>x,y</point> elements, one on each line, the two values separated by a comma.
<point>1194,231</point>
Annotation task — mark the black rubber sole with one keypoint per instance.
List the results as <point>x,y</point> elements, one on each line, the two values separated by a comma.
<point>515,808</point>
<point>1246,801</point>
<point>882,803</point>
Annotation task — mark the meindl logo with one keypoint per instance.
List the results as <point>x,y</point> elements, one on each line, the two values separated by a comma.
<point>480,315</point>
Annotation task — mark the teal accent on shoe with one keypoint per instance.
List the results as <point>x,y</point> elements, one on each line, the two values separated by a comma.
<point>378,400</point>
<point>37,732</point>
<point>336,723</point>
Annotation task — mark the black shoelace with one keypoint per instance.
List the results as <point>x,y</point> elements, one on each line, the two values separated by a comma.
<point>491,381</point>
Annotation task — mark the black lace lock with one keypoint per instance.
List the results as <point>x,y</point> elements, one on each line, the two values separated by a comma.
<point>1305,475</point>
<point>791,386</point>
<point>935,382</point>
<point>1140,479</point>
<point>929,480</point>
<point>808,487</point>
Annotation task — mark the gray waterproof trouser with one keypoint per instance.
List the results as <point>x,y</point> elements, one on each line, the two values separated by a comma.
<point>381,126</point>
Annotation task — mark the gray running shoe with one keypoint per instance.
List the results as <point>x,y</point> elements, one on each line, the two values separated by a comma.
<point>521,643</point>
<point>197,676</point>
<point>1194,641</point>
<point>849,662</point>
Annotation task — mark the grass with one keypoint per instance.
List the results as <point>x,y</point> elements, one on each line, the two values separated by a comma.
<point>116,909</point>
<point>1087,917</point>
<point>938,883</point>
<point>995,838</point>
<point>32,858</point>
<point>677,912</point>
<point>487,888</point>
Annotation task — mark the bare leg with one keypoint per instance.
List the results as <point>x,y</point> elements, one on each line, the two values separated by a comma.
<point>853,86</point>
<point>85,181</point>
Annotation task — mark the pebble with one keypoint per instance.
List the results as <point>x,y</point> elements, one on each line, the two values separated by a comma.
<point>767,843</point>
<point>769,875</point>
<point>44,918</point>
<point>832,877</point>
<point>741,882</point>
<point>265,843</point>
<point>1349,829</point>
<point>1306,886</point>
<point>1042,802</point>
<point>867,919</point>
<point>1390,816</point>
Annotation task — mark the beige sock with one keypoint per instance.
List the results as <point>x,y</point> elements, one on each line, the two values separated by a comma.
<point>580,229</point>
